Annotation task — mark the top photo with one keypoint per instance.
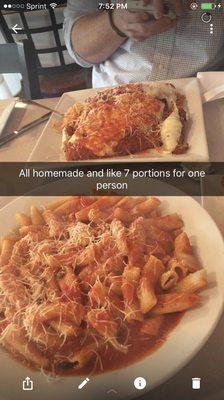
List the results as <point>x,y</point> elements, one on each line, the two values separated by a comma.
<point>112,81</point>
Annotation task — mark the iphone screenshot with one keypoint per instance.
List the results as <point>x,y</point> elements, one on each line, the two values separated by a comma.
<point>111,200</point>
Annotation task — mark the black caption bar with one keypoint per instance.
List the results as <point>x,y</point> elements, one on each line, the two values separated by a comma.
<point>168,179</point>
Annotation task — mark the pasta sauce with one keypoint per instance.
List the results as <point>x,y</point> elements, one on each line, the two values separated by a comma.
<point>140,347</point>
<point>109,359</point>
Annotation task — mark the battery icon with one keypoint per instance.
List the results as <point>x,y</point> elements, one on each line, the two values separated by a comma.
<point>208,6</point>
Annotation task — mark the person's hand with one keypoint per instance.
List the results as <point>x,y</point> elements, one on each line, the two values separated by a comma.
<point>141,25</point>
<point>176,5</point>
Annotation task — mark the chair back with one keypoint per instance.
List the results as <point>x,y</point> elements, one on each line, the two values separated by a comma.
<point>50,36</point>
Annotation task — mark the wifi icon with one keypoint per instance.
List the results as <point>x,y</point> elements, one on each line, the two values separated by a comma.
<point>53,5</point>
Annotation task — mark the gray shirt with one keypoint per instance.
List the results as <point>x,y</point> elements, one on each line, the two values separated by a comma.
<point>180,52</point>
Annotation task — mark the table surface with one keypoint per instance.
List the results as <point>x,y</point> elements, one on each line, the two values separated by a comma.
<point>19,118</point>
<point>208,363</point>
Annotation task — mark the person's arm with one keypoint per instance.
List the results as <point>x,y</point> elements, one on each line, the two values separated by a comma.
<point>93,38</point>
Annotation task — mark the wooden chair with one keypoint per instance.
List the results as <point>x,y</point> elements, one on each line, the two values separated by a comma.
<point>53,80</point>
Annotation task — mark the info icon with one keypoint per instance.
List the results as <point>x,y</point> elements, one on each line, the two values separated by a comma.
<point>140,383</point>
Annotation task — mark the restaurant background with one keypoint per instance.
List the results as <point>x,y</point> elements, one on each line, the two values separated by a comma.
<point>44,29</point>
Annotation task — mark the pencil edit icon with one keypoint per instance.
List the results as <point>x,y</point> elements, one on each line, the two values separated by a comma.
<point>83,383</point>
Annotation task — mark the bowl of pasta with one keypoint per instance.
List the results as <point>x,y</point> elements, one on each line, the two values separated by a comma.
<point>105,288</point>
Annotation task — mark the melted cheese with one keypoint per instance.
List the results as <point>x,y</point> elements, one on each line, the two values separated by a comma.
<point>170,131</point>
<point>161,91</point>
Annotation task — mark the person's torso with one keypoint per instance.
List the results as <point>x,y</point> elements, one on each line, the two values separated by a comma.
<point>180,52</point>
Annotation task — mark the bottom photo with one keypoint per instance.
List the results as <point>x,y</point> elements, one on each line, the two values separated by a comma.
<point>109,297</point>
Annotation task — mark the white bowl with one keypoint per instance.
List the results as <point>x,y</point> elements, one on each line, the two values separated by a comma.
<point>183,342</point>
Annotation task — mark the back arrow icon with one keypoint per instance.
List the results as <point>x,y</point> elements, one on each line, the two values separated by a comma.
<point>16,28</point>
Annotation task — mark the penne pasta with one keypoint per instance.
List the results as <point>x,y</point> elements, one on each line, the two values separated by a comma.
<point>52,288</point>
<point>98,294</point>
<point>146,207</point>
<point>58,203</point>
<point>66,311</point>
<point>116,284</point>
<point>119,232</point>
<point>178,267</point>
<point>45,337</point>
<point>69,285</point>
<point>68,207</point>
<point>122,215</point>
<point>102,204</point>
<point>64,328</point>
<point>25,230</point>
<point>128,203</point>
<point>137,242</point>
<point>175,302</point>
<point>168,222</point>
<point>15,339</point>
<point>97,216</point>
<point>14,291</point>
<point>152,272</point>
<point>184,253</point>
<point>106,326</point>
<point>7,248</point>
<point>130,281</point>
<point>168,280</point>
<point>193,282</point>
<point>36,217</point>
<point>55,224</point>
<point>23,219</point>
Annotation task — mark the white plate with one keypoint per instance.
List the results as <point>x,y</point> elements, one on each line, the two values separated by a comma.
<point>214,204</point>
<point>48,147</point>
<point>183,342</point>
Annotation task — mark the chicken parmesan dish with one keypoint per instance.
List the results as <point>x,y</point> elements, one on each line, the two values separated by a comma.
<point>90,284</point>
<point>125,120</point>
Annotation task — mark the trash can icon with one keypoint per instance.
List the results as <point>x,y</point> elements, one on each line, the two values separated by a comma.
<point>196,383</point>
